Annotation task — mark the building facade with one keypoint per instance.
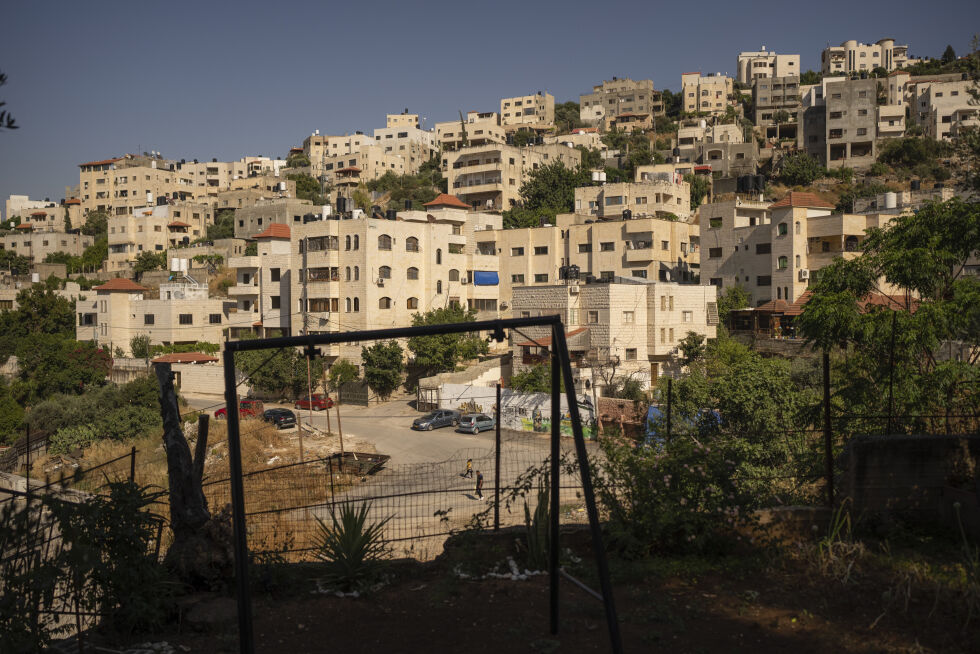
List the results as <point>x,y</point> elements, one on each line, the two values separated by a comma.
<point>536,111</point>
<point>764,64</point>
<point>706,94</point>
<point>618,96</point>
<point>853,56</point>
<point>154,229</point>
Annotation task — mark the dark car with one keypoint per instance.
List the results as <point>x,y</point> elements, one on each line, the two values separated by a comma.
<point>435,419</point>
<point>474,423</point>
<point>247,408</point>
<point>281,418</point>
<point>319,402</point>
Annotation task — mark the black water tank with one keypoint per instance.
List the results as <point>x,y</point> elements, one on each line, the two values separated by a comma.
<point>342,205</point>
<point>408,204</point>
<point>391,214</point>
<point>627,214</point>
<point>375,208</point>
<point>939,185</point>
<point>915,185</point>
<point>742,184</point>
<point>760,183</point>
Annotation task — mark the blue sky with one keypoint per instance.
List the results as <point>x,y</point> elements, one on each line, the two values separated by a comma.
<point>90,80</point>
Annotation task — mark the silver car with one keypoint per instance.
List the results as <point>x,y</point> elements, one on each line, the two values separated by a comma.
<point>474,423</point>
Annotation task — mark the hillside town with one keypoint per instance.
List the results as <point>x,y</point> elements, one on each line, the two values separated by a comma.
<point>754,272</point>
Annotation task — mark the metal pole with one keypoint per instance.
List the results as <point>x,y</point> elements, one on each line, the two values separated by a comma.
<point>496,469</point>
<point>246,641</point>
<point>132,464</point>
<point>555,486</point>
<point>891,375</point>
<point>340,430</point>
<point>27,481</point>
<point>827,430</point>
<point>609,604</point>
<point>670,397</point>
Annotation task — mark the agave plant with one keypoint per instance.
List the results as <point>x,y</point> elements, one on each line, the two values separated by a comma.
<point>536,526</point>
<point>353,548</point>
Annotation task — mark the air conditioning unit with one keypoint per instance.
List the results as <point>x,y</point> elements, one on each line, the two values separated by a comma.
<point>804,274</point>
<point>381,281</point>
<point>462,280</point>
<point>573,290</point>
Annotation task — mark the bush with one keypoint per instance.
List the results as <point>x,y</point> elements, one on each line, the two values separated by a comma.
<point>353,549</point>
<point>67,439</point>
<point>878,169</point>
<point>800,169</point>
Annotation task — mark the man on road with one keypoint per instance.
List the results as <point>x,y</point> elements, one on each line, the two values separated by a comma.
<point>479,484</point>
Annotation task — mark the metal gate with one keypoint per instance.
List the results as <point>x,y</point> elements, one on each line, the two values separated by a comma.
<point>354,393</point>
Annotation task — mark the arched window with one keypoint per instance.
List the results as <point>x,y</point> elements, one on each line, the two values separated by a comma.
<point>439,286</point>
<point>851,243</point>
<point>348,305</point>
<point>799,227</point>
<point>797,261</point>
<point>384,272</point>
<point>347,270</point>
<point>357,305</point>
<point>412,273</point>
<point>453,275</point>
<point>411,244</point>
<point>357,242</point>
<point>384,242</point>
<point>384,303</point>
<point>781,229</point>
<point>413,303</point>
<point>438,256</point>
<point>357,274</point>
<point>347,242</point>
<point>782,263</point>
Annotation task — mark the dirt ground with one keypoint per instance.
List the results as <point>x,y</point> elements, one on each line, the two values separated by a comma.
<point>748,602</point>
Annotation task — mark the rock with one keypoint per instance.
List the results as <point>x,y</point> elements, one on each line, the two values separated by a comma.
<point>211,614</point>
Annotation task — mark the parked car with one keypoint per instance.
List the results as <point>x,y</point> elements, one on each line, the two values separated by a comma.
<point>434,419</point>
<point>281,418</point>
<point>474,423</point>
<point>319,402</point>
<point>247,408</point>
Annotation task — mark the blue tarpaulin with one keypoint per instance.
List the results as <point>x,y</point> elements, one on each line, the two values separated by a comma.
<point>485,278</point>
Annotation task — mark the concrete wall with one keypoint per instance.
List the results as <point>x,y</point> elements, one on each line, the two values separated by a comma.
<point>200,379</point>
<point>518,411</point>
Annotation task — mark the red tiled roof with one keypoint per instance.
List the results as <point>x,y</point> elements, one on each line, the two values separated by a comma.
<point>797,307</point>
<point>446,200</point>
<point>120,284</point>
<point>275,230</point>
<point>893,302</point>
<point>257,324</point>
<point>178,223</point>
<point>295,149</point>
<point>24,226</point>
<point>705,167</point>
<point>584,130</point>
<point>774,306</point>
<point>39,213</point>
<point>185,357</point>
<point>349,169</point>
<point>101,163</point>
<point>801,199</point>
<point>73,201</point>
<point>546,340</point>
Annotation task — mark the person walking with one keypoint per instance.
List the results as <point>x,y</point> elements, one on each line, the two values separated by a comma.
<point>479,484</point>
<point>469,469</point>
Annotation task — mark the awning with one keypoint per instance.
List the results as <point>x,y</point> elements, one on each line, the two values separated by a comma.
<point>485,278</point>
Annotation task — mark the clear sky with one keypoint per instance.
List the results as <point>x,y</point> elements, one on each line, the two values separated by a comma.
<point>91,80</point>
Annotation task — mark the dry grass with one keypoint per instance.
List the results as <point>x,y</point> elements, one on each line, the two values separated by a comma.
<point>219,282</point>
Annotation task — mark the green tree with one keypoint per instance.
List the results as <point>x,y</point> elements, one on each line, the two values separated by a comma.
<point>223,227</point>
<point>39,311</point>
<point>522,138</point>
<point>800,169</point>
<point>420,188</point>
<point>51,363</point>
<point>949,55</point>
<point>519,217</point>
<point>11,415</point>
<point>382,367</point>
<point>297,160</point>
<point>692,348</point>
<point>700,187</point>
<point>733,299</point>
<point>11,261</point>
<point>443,352</point>
<point>67,220</point>
<point>341,372</point>
<point>284,374</point>
<point>591,158</point>
<point>567,117</point>
<point>811,77</point>
<point>673,103</point>
<point>252,249</point>
<point>96,224</point>
<point>139,346</point>
<point>553,187</point>
<point>535,379</point>
<point>6,119</point>
<point>148,260</point>
<point>918,155</point>
<point>781,116</point>
<point>307,187</point>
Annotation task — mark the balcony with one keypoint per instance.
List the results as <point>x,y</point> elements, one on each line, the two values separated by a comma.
<point>243,290</point>
<point>637,254</point>
<point>243,262</point>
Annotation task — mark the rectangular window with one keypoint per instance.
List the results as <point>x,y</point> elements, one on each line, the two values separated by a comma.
<point>584,247</point>
<point>186,319</point>
<point>274,272</point>
<point>148,318</point>
<point>541,279</point>
<point>541,249</point>
<point>214,318</point>
<point>763,280</point>
<point>671,334</point>
<point>517,252</point>
<point>593,317</point>
<point>607,275</point>
<point>687,316</point>
<point>714,253</point>
<point>517,279</point>
<point>607,247</point>
<point>663,302</point>
<point>763,248</point>
<point>714,223</point>
<point>631,354</point>
<point>663,335</point>
<point>275,302</point>
<point>639,273</point>
<point>664,245</point>
<point>628,317</point>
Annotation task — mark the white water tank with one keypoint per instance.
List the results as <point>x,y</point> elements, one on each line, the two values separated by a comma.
<point>703,123</point>
<point>891,200</point>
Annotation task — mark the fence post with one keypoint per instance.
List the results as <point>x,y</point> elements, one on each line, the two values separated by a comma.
<point>27,480</point>
<point>891,376</point>
<point>496,469</point>
<point>132,464</point>
<point>828,430</point>
<point>670,394</point>
<point>555,485</point>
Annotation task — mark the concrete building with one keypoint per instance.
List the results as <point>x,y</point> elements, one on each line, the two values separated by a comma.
<point>36,245</point>
<point>320,148</point>
<point>840,122</point>
<point>776,250</point>
<point>475,130</point>
<point>119,185</point>
<point>371,162</point>
<point>122,309</point>
<point>771,96</point>
<point>944,109</point>
<point>403,119</point>
<point>154,229</point>
<point>534,111</point>
<point>707,94</point>
<point>658,196</point>
<point>490,176</point>
<point>22,205</point>
<point>619,96</point>
<point>255,219</point>
<point>413,145</point>
<point>623,328</point>
<point>852,56</point>
<point>764,64</point>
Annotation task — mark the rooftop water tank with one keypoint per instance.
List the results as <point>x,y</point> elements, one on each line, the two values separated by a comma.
<point>891,200</point>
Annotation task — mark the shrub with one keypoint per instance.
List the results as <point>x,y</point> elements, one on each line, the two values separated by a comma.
<point>67,439</point>
<point>353,549</point>
<point>878,169</point>
<point>800,169</point>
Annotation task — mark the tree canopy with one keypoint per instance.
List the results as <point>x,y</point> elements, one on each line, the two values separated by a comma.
<point>567,117</point>
<point>800,169</point>
<point>443,352</point>
<point>223,226</point>
<point>383,367</point>
<point>548,191</point>
<point>96,224</point>
<point>6,118</point>
<point>307,187</point>
<point>284,374</point>
<point>700,187</point>
<point>420,188</point>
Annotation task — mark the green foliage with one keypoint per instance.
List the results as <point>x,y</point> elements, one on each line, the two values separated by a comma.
<point>536,529</point>
<point>15,263</point>
<point>591,158</point>
<point>223,227</point>
<point>147,261</point>
<point>420,188</point>
<point>800,169</point>
<point>67,220</point>
<point>68,439</point>
<point>361,199</point>
<point>878,169</point>
<point>199,346</point>
<point>353,549</point>
<point>519,217</point>
<point>692,347</point>
<point>50,363</point>
<point>341,372</point>
<point>626,388</point>
<point>39,311</point>
<point>443,352</point>
<point>949,55</point>
<point>733,299</point>
<point>91,258</point>
<point>297,160</point>
<point>567,117</point>
<point>283,375</point>
<point>307,187</point>
<point>844,174</point>
<point>664,125</point>
<point>383,367</point>
<point>781,116</point>
<point>522,138</point>
<point>673,103</point>
<point>536,379</point>
<point>634,148</point>
<point>552,187</point>
<point>6,118</point>
<point>96,224</point>
<point>918,155</point>
<point>863,190</point>
<point>811,77</point>
<point>700,187</point>
<point>11,415</point>
<point>251,249</point>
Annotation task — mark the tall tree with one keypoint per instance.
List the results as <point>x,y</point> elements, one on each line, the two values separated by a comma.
<point>383,367</point>
<point>443,352</point>
<point>949,55</point>
<point>96,224</point>
<point>6,119</point>
<point>567,117</point>
<point>700,187</point>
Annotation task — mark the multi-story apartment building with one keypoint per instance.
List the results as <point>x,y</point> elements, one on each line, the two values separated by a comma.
<point>776,250</point>
<point>117,186</point>
<point>490,176</point>
<point>403,119</point>
<point>536,111</point>
<point>36,245</point>
<point>154,229</point>
<point>772,95</point>
<point>695,132</point>
<point>255,219</point>
<point>942,108</point>
<point>371,161</point>
<point>22,205</point>
<point>263,280</point>
<point>764,64</point>
<point>622,328</point>
<point>660,195</point>
<point>619,96</point>
<point>209,178</point>
<point>840,122</point>
<point>852,56</point>
<point>320,148</point>
<point>183,313</point>
<point>478,128</point>
<point>413,145</point>
<point>706,94</point>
